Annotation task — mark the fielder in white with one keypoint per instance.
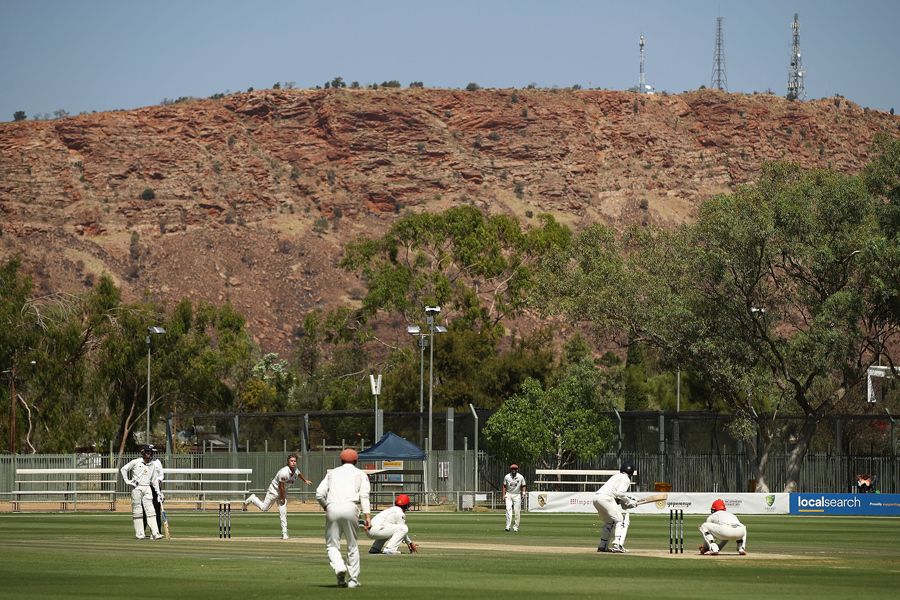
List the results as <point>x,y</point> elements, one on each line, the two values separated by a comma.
<point>343,492</point>
<point>609,501</point>
<point>389,529</point>
<point>143,475</point>
<point>720,527</point>
<point>285,476</point>
<point>513,490</point>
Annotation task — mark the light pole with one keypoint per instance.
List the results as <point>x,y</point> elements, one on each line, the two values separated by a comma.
<point>150,331</point>
<point>430,313</point>
<point>417,331</point>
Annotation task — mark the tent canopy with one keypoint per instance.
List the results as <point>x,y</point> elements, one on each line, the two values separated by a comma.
<point>393,447</point>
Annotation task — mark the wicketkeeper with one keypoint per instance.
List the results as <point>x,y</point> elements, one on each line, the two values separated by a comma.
<point>720,527</point>
<point>609,501</point>
<point>389,528</point>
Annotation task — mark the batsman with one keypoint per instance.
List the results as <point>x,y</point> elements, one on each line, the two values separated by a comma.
<point>144,475</point>
<point>609,501</point>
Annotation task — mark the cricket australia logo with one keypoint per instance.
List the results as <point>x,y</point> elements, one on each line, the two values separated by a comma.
<point>770,500</point>
<point>542,500</point>
<point>660,504</point>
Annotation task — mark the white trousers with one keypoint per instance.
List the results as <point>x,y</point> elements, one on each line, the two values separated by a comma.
<point>141,504</point>
<point>267,503</point>
<point>342,519</point>
<point>388,536</point>
<point>615,521</point>
<point>513,510</point>
<point>716,534</point>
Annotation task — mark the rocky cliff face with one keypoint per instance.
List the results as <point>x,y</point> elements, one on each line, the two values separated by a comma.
<point>250,198</point>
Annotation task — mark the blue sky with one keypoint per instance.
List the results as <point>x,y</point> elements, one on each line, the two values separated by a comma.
<point>97,55</point>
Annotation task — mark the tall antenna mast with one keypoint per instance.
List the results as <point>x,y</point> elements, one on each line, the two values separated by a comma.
<point>795,89</point>
<point>719,80</point>
<point>642,83</point>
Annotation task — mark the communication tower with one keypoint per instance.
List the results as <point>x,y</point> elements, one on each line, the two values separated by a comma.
<point>795,89</point>
<point>642,83</point>
<point>719,80</point>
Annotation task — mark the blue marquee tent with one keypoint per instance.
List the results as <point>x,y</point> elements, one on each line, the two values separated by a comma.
<point>393,447</point>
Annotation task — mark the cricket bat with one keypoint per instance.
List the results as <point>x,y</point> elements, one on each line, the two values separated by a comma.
<point>652,498</point>
<point>165,522</point>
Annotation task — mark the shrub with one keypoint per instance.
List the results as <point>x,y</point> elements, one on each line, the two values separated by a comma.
<point>19,115</point>
<point>494,136</point>
<point>519,189</point>
<point>472,87</point>
<point>148,194</point>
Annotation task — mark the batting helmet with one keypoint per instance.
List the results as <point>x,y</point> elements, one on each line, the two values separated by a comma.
<point>349,455</point>
<point>514,467</point>
<point>402,501</point>
<point>719,504</point>
<point>628,468</point>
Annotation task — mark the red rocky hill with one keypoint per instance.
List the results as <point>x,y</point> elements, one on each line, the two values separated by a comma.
<point>250,198</point>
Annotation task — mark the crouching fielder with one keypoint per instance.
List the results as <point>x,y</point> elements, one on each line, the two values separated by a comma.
<point>720,527</point>
<point>389,529</point>
<point>609,501</point>
<point>143,475</point>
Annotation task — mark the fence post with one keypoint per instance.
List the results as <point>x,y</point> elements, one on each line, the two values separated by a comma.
<point>662,446</point>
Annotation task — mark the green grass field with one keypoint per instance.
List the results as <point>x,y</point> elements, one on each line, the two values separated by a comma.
<point>94,555</point>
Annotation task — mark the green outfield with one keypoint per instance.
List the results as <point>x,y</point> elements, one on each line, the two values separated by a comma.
<point>93,555</point>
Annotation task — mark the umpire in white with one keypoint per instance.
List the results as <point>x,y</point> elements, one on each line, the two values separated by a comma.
<point>343,492</point>
<point>142,474</point>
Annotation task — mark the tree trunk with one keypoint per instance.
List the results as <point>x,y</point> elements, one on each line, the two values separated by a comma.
<point>125,425</point>
<point>760,454</point>
<point>798,453</point>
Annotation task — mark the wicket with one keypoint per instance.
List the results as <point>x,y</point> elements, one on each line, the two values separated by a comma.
<point>224,520</point>
<point>676,531</point>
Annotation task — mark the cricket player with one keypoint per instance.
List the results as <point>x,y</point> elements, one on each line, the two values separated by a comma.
<point>389,529</point>
<point>157,505</point>
<point>721,526</point>
<point>285,476</point>
<point>142,474</point>
<point>609,501</point>
<point>343,492</point>
<point>513,490</point>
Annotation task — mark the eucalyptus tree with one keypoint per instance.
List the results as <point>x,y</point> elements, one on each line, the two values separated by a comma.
<point>768,296</point>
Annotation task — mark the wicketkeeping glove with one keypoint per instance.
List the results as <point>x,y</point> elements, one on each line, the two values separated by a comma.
<point>161,498</point>
<point>413,547</point>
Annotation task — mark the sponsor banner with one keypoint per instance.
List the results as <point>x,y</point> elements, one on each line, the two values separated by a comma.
<point>583,502</point>
<point>845,504</point>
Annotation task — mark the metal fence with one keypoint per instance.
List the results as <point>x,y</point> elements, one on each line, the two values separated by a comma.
<point>452,472</point>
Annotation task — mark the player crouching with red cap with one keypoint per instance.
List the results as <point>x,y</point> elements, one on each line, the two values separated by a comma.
<point>389,529</point>
<point>720,527</point>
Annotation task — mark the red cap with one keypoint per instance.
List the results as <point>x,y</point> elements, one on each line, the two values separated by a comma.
<point>349,455</point>
<point>717,505</point>
<point>402,500</point>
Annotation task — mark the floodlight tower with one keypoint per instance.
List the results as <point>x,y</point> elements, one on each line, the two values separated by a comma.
<point>642,83</point>
<point>795,89</point>
<point>719,80</point>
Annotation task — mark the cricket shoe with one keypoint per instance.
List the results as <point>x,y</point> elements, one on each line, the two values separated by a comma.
<point>703,549</point>
<point>157,536</point>
<point>390,551</point>
<point>507,529</point>
<point>342,579</point>
<point>515,529</point>
<point>374,550</point>
<point>617,549</point>
<point>353,584</point>
<point>284,536</point>
<point>742,552</point>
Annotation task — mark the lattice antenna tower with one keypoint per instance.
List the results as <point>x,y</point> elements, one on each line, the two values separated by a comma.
<point>719,80</point>
<point>642,82</point>
<point>795,89</point>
